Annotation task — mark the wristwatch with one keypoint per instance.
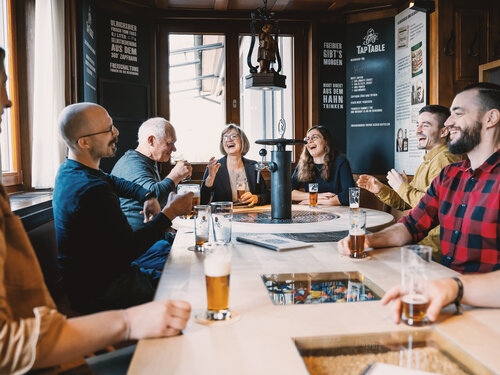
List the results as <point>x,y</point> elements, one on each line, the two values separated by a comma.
<point>460,294</point>
<point>149,195</point>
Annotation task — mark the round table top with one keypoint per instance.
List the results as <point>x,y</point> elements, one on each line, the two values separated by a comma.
<point>375,220</point>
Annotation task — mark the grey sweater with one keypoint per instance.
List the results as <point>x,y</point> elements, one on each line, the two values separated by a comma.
<point>136,167</point>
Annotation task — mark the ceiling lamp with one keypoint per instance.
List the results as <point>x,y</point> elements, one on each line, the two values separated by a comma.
<point>426,6</point>
<point>264,76</point>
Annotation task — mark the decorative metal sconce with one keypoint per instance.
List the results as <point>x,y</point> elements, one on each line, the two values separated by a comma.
<point>268,53</point>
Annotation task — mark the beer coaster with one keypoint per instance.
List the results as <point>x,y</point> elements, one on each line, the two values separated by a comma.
<point>200,318</point>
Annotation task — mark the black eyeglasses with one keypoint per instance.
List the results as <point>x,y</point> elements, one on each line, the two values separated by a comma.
<point>110,130</point>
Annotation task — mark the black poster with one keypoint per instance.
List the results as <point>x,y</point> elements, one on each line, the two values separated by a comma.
<point>88,62</point>
<point>331,82</point>
<point>123,50</point>
<point>370,96</point>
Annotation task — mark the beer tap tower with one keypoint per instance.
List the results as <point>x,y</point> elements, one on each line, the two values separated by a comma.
<point>280,167</point>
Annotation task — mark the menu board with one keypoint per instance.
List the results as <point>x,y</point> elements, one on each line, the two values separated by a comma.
<point>89,55</point>
<point>331,82</point>
<point>410,86</point>
<point>370,95</point>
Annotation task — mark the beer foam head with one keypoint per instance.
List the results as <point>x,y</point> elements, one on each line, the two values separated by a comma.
<point>356,232</point>
<point>217,266</point>
<point>415,299</point>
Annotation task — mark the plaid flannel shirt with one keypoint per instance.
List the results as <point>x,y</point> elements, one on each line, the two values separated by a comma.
<point>466,203</point>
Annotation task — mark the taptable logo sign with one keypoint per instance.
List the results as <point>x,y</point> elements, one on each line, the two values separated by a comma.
<point>369,45</point>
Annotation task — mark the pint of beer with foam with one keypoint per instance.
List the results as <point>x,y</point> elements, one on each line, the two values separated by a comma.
<point>217,266</point>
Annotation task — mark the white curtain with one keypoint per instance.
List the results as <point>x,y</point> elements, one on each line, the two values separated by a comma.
<point>48,150</point>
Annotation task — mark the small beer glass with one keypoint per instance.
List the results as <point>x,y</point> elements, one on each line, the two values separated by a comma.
<point>357,227</point>
<point>415,260</point>
<point>185,188</point>
<point>313,195</point>
<point>241,186</point>
<point>222,219</point>
<point>201,224</point>
<point>177,157</point>
<point>354,198</point>
<point>217,266</point>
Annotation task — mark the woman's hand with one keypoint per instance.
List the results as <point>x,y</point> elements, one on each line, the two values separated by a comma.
<point>213,168</point>
<point>332,201</point>
<point>326,195</point>
<point>249,199</point>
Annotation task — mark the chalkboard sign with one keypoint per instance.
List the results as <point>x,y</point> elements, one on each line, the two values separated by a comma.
<point>124,76</point>
<point>331,82</point>
<point>370,95</point>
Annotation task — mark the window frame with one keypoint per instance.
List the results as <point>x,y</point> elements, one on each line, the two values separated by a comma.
<point>13,180</point>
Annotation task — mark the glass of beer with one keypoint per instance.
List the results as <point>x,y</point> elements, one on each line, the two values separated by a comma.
<point>222,220</point>
<point>217,266</point>
<point>354,198</point>
<point>185,188</point>
<point>357,227</point>
<point>415,260</point>
<point>241,187</point>
<point>313,195</point>
<point>177,157</point>
<point>201,216</point>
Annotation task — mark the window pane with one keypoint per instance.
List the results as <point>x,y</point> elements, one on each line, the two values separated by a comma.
<point>197,93</point>
<point>7,160</point>
<point>260,110</point>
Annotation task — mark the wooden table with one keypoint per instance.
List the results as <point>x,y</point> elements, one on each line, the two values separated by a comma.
<point>261,341</point>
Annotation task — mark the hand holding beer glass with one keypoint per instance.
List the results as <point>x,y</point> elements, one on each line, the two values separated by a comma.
<point>354,193</point>
<point>357,228</point>
<point>201,225</point>
<point>217,266</point>
<point>313,195</point>
<point>415,260</point>
<point>195,189</point>
<point>176,158</point>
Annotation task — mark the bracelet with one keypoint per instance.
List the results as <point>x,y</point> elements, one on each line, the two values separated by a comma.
<point>460,294</point>
<point>127,323</point>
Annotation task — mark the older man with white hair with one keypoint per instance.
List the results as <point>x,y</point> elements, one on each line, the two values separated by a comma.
<point>156,143</point>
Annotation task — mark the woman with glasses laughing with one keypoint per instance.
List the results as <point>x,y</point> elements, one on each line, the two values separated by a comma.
<point>321,163</point>
<point>233,178</point>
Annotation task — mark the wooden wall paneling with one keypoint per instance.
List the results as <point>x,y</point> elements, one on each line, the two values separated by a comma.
<point>153,68</point>
<point>470,26</point>
<point>25,23</point>
<point>301,107</point>
<point>493,31</point>
<point>312,73</point>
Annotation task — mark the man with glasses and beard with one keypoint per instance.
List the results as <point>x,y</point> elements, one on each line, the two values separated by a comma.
<point>465,198</point>
<point>104,262</point>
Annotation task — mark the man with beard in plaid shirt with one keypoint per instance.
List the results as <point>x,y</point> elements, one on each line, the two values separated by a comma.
<point>465,198</point>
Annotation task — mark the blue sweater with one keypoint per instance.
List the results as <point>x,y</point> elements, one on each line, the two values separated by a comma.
<point>136,167</point>
<point>95,242</point>
<point>340,181</point>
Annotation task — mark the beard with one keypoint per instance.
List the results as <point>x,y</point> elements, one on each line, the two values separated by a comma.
<point>467,141</point>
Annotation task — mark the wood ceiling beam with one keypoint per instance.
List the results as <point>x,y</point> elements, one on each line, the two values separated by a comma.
<point>162,4</point>
<point>221,4</point>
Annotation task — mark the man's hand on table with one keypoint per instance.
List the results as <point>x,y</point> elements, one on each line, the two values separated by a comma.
<point>178,204</point>
<point>157,319</point>
<point>343,245</point>
<point>439,293</point>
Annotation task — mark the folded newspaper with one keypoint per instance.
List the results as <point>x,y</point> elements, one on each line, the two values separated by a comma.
<point>272,242</point>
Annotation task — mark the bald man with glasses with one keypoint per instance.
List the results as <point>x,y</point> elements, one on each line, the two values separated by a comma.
<point>104,262</point>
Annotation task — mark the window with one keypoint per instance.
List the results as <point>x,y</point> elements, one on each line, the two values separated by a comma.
<point>197,93</point>
<point>203,85</point>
